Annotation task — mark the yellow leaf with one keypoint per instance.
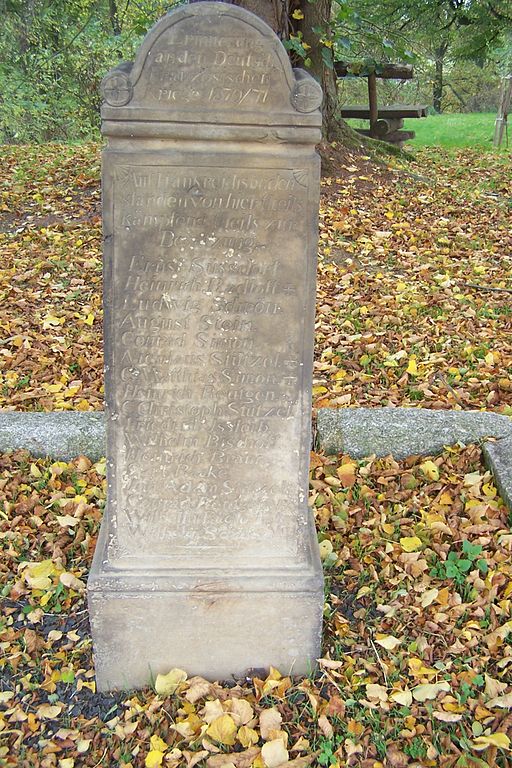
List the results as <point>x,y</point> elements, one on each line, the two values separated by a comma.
<point>430,470</point>
<point>500,740</point>
<point>157,743</point>
<point>297,15</point>
<point>389,215</point>
<point>247,736</point>
<point>411,543</point>
<point>67,762</point>
<point>412,368</point>
<point>404,698</point>
<point>166,685</point>
<point>53,388</point>
<point>418,669</point>
<point>154,758</point>
<point>51,320</point>
<point>429,690</point>
<point>223,730</point>
<point>5,696</point>
<point>89,319</point>
<point>388,642</point>
<point>489,359</point>
<point>274,753</point>
<point>37,575</point>
<point>35,471</point>
<point>428,597</point>
<point>326,549</point>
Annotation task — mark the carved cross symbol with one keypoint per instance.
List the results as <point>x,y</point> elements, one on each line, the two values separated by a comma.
<point>308,94</point>
<point>307,97</point>
<point>117,91</point>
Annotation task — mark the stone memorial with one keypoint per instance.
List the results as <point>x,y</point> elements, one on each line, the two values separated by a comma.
<point>207,558</point>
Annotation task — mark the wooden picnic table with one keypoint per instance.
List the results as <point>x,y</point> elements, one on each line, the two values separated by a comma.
<point>385,122</point>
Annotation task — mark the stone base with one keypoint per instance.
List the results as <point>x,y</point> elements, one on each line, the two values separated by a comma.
<point>217,624</point>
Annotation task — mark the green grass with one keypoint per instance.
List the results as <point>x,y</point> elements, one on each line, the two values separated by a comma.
<point>454,130</point>
<point>449,130</point>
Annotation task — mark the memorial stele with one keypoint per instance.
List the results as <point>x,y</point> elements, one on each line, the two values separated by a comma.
<point>207,558</point>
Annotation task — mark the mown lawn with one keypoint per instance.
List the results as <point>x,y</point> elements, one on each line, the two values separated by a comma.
<point>453,130</point>
<point>449,131</point>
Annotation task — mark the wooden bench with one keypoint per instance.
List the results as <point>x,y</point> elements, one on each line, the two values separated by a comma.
<point>385,122</point>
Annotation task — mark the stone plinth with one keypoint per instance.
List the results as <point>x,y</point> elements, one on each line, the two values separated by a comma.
<point>207,558</point>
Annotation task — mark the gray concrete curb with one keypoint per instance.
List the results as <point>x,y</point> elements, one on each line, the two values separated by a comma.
<point>498,456</point>
<point>59,434</point>
<point>403,432</point>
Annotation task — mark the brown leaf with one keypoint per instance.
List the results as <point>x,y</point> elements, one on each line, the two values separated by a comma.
<point>239,759</point>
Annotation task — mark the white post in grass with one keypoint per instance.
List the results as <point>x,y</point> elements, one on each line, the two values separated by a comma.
<point>500,126</point>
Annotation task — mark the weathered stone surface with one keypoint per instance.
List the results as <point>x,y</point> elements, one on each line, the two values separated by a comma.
<point>403,432</point>
<point>210,191</point>
<point>59,435</point>
<point>498,455</point>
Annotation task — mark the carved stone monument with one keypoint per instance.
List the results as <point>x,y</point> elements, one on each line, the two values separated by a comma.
<point>207,558</point>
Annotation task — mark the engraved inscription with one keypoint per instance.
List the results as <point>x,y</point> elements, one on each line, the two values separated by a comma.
<point>188,66</point>
<point>209,377</point>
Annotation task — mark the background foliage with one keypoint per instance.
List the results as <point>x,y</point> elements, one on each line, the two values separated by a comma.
<point>53,54</point>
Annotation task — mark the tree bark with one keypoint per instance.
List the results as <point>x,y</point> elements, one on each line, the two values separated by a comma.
<point>114,17</point>
<point>317,15</point>
<point>438,85</point>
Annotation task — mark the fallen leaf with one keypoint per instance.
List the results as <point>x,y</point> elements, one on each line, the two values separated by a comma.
<point>429,691</point>
<point>223,730</point>
<point>430,470</point>
<point>387,641</point>
<point>274,753</point>
<point>411,543</point>
<point>154,758</point>
<point>505,702</point>
<point>270,720</point>
<point>49,711</point>
<point>166,685</point>
<point>500,740</point>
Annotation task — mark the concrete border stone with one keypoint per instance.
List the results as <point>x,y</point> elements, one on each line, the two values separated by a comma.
<point>498,456</point>
<point>403,432</point>
<point>59,434</point>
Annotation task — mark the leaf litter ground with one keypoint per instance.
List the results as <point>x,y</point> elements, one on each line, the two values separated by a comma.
<point>417,658</point>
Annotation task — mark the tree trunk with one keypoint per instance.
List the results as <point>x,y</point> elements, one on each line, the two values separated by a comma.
<point>317,15</point>
<point>26,13</point>
<point>114,17</point>
<point>438,85</point>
